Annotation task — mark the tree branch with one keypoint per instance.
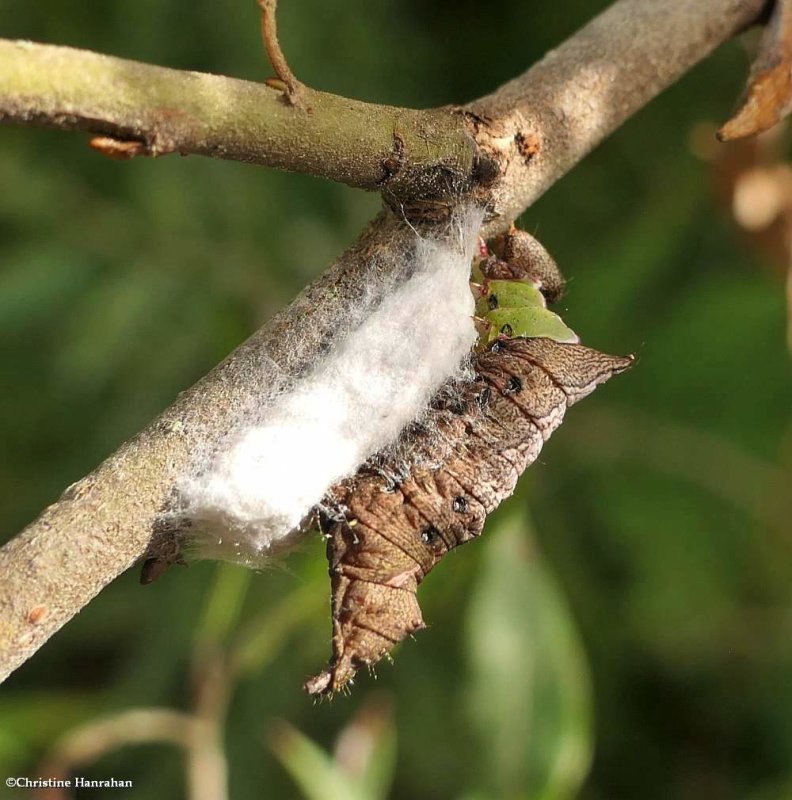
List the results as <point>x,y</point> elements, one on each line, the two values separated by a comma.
<point>534,128</point>
<point>363,145</point>
<point>539,125</point>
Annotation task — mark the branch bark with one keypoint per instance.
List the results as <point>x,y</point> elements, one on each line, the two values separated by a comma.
<point>533,130</point>
<point>539,125</point>
<point>363,145</point>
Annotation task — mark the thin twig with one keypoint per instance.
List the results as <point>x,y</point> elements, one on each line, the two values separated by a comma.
<point>87,743</point>
<point>269,34</point>
<point>207,768</point>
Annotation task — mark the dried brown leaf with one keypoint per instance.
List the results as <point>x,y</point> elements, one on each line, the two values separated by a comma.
<point>768,96</point>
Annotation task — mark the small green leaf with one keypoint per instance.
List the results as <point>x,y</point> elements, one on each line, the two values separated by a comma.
<point>313,770</point>
<point>529,685</point>
<point>364,762</point>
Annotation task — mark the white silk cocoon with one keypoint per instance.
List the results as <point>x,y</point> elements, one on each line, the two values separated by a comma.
<point>248,502</point>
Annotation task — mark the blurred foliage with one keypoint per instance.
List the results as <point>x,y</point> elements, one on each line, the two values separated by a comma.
<point>529,687</point>
<point>643,615</point>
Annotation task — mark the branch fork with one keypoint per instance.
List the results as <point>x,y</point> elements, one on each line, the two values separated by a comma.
<point>286,82</point>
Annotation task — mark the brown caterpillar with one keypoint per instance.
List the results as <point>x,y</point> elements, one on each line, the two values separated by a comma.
<point>389,525</point>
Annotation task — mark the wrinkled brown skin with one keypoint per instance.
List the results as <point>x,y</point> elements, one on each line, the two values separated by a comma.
<point>518,256</point>
<point>386,533</point>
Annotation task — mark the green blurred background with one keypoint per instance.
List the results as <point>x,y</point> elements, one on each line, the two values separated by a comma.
<point>624,627</point>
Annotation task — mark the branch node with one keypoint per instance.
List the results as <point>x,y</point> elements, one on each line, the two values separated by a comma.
<point>393,163</point>
<point>117,149</point>
<point>277,84</point>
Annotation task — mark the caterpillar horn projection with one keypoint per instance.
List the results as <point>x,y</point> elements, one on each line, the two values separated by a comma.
<point>390,524</point>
